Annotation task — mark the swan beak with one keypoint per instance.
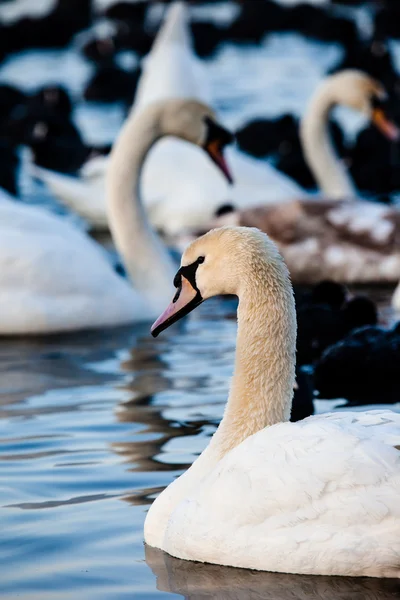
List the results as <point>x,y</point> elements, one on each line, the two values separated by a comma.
<point>385,125</point>
<point>214,151</point>
<point>186,299</point>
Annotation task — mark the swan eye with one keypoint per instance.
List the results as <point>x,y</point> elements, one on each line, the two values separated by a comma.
<point>200,260</point>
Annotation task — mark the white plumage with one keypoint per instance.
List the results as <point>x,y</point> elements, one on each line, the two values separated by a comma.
<point>53,277</point>
<point>307,497</point>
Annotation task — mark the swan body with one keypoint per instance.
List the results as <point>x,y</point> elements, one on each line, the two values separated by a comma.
<point>53,277</point>
<point>319,496</point>
<point>290,523</point>
<point>187,200</point>
<point>348,241</point>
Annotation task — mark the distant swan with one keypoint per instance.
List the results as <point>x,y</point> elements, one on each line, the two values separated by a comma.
<point>53,277</point>
<point>353,89</point>
<point>320,496</point>
<point>335,236</point>
<point>181,190</point>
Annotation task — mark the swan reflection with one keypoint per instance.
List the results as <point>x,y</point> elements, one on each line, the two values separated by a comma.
<point>198,581</point>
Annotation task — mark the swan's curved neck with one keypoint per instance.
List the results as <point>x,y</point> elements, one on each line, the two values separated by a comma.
<point>330,174</point>
<point>261,390</point>
<point>148,263</point>
<point>262,387</point>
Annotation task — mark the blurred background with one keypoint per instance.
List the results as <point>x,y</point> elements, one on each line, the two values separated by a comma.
<point>69,69</point>
<point>93,424</point>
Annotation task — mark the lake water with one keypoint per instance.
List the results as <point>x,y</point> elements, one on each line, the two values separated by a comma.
<point>94,425</point>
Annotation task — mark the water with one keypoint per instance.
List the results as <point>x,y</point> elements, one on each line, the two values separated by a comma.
<point>94,425</point>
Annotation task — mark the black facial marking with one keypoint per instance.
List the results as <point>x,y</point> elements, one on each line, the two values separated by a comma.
<point>379,103</point>
<point>189,273</point>
<point>217,133</point>
<point>224,209</point>
<point>386,105</point>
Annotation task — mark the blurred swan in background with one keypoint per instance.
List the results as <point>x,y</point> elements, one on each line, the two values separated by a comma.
<point>347,241</point>
<point>338,236</point>
<point>353,89</point>
<point>55,278</point>
<point>185,201</point>
<point>317,497</point>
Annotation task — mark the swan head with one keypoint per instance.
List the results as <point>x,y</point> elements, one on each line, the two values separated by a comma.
<point>196,123</point>
<point>221,262</point>
<point>359,91</point>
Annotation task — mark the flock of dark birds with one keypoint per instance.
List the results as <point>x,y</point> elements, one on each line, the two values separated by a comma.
<point>351,356</point>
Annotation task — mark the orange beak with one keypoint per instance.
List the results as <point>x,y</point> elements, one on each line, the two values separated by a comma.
<point>385,125</point>
<point>214,150</point>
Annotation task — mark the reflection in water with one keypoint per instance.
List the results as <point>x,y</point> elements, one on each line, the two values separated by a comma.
<point>197,581</point>
<point>169,398</point>
<point>35,365</point>
<point>151,378</point>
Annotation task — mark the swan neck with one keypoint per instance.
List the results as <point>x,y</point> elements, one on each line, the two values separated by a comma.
<point>329,172</point>
<point>262,386</point>
<point>146,260</point>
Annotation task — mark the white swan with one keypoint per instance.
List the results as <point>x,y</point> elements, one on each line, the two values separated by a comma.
<point>53,277</point>
<point>185,201</point>
<point>353,89</point>
<point>320,496</point>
